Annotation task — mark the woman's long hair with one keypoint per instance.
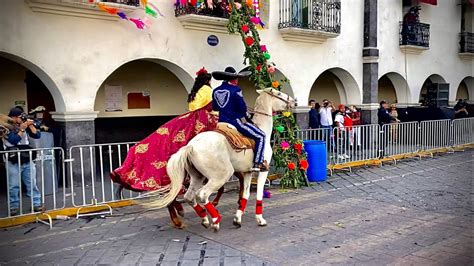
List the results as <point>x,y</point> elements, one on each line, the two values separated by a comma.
<point>201,80</point>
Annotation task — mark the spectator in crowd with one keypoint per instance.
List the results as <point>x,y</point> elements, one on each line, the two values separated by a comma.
<point>344,125</point>
<point>314,117</point>
<point>383,115</point>
<point>326,120</point>
<point>460,110</point>
<point>17,140</point>
<point>394,127</point>
<point>355,115</point>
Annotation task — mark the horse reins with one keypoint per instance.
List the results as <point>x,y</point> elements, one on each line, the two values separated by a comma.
<point>287,101</point>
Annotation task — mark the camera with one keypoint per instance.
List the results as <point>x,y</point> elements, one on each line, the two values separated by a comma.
<point>36,123</point>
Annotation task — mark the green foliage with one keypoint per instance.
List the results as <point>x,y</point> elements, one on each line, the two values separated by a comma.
<point>285,127</point>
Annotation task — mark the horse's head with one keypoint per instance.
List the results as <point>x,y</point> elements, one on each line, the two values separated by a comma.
<point>280,101</point>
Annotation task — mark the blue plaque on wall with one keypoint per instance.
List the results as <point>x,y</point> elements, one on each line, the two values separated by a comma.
<point>212,40</point>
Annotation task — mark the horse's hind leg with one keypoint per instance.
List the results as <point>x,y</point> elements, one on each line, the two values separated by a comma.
<point>245,181</point>
<point>190,197</point>
<point>174,217</point>
<point>203,196</point>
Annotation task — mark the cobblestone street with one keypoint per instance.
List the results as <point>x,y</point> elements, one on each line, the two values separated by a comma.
<point>417,212</point>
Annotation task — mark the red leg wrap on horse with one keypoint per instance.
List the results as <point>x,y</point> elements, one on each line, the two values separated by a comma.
<point>200,211</point>
<point>259,207</point>
<point>242,204</point>
<point>216,218</point>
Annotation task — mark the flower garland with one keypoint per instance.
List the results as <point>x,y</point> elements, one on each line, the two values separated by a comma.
<point>288,150</point>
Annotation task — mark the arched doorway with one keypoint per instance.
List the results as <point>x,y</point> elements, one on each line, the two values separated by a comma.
<point>250,92</point>
<point>393,88</point>
<point>465,89</point>
<point>22,87</point>
<point>336,85</point>
<point>137,98</point>
<point>435,78</point>
<point>387,90</point>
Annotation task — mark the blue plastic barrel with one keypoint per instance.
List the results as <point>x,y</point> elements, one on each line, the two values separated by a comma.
<point>316,150</point>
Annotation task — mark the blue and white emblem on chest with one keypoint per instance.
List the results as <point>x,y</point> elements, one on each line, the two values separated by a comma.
<point>222,97</point>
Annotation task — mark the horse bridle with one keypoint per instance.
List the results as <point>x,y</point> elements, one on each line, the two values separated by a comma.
<point>287,101</point>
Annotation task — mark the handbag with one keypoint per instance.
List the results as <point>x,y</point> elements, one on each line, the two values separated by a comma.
<point>24,155</point>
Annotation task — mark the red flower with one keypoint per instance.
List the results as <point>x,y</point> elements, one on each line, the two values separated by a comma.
<point>258,68</point>
<point>249,41</point>
<point>304,165</point>
<point>298,146</point>
<point>291,166</point>
<point>245,28</point>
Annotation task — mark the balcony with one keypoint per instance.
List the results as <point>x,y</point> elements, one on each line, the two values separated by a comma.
<point>466,45</point>
<point>310,21</point>
<point>81,8</point>
<point>414,37</point>
<point>203,18</point>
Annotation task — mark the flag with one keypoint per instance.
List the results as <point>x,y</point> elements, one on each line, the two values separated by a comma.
<point>431,2</point>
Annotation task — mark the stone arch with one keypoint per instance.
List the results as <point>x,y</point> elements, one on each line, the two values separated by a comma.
<point>336,83</point>
<point>249,90</point>
<point>45,78</point>
<point>167,83</point>
<point>433,78</point>
<point>399,89</point>
<point>465,90</point>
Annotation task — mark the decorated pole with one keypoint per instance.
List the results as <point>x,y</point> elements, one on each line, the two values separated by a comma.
<point>288,152</point>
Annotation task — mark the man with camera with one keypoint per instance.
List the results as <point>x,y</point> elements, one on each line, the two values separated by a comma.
<point>19,164</point>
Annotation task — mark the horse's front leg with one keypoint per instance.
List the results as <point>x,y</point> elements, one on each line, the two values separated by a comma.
<point>262,178</point>
<point>245,181</point>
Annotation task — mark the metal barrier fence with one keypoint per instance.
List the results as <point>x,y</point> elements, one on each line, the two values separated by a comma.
<point>41,173</point>
<point>89,168</point>
<point>90,165</point>
<point>463,131</point>
<point>400,139</point>
<point>435,134</point>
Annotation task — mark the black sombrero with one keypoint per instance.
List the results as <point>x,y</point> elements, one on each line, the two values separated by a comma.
<point>229,74</point>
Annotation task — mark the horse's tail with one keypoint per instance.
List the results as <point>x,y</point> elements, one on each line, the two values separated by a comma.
<point>177,170</point>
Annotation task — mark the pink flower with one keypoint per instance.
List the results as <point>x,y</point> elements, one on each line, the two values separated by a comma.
<point>263,48</point>
<point>285,145</point>
<point>255,20</point>
<point>271,69</point>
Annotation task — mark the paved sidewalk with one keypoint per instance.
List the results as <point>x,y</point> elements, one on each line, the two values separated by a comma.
<point>412,213</point>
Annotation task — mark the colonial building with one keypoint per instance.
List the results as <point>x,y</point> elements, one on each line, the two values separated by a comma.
<point>103,79</point>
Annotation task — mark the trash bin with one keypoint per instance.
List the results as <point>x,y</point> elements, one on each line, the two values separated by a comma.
<point>316,150</point>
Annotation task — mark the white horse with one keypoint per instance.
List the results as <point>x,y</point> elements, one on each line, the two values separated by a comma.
<point>209,155</point>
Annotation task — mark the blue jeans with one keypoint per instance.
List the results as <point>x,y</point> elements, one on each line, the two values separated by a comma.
<point>27,171</point>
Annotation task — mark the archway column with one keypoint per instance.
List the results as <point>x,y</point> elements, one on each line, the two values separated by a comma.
<point>370,56</point>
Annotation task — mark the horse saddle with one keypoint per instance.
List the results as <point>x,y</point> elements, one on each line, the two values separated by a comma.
<point>238,141</point>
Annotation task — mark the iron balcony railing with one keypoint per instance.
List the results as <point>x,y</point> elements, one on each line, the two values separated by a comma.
<point>466,42</point>
<point>123,2</point>
<point>219,9</point>
<point>415,33</point>
<point>320,15</point>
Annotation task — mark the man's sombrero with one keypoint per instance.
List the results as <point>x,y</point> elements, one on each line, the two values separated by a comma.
<point>229,74</point>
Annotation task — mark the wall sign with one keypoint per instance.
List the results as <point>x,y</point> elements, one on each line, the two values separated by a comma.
<point>212,40</point>
<point>113,98</point>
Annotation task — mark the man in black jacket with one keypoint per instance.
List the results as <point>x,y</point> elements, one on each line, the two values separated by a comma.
<point>383,116</point>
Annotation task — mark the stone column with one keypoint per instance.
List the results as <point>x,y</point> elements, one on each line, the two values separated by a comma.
<point>76,128</point>
<point>370,58</point>
<point>302,116</point>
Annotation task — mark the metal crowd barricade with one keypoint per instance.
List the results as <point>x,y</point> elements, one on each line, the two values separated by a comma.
<point>355,144</point>
<point>435,135</point>
<point>400,140</point>
<point>37,169</point>
<point>463,131</point>
<point>323,134</point>
<point>90,166</point>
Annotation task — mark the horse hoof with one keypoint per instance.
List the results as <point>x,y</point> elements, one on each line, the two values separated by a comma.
<point>237,222</point>
<point>215,227</point>
<point>261,221</point>
<point>205,222</point>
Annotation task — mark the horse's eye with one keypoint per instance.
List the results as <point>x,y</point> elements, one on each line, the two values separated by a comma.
<point>279,94</point>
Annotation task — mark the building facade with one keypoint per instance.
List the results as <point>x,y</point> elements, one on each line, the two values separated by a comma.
<point>70,56</point>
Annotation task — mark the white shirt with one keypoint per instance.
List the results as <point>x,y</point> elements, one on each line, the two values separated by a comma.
<point>326,116</point>
<point>340,119</point>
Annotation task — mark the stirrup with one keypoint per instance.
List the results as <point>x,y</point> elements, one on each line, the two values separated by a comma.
<point>263,167</point>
